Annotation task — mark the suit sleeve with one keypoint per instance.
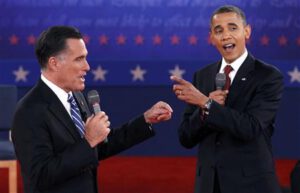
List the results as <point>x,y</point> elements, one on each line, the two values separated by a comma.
<point>259,111</point>
<point>129,134</point>
<point>192,128</point>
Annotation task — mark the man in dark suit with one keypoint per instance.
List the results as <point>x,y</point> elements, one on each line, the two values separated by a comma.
<point>57,140</point>
<point>232,127</point>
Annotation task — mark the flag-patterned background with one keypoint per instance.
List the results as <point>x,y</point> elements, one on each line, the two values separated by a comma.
<point>135,45</point>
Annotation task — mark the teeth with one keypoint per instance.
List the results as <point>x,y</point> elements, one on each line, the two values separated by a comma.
<point>228,45</point>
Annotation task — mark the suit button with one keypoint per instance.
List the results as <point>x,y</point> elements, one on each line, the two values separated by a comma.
<point>218,143</point>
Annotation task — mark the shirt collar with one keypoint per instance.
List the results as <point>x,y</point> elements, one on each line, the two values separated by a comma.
<point>60,93</point>
<point>236,64</point>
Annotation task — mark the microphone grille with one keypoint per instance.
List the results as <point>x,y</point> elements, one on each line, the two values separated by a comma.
<point>220,80</point>
<point>93,97</point>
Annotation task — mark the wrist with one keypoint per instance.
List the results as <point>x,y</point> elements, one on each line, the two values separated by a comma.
<point>207,105</point>
<point>203,100</point>
<point>147,120</point>
<point>90,141</point>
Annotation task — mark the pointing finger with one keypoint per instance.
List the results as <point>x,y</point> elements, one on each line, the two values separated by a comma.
<point>179,80</point>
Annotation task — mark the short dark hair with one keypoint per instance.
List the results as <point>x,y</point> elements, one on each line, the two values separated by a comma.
<point>52,41</point>
<point>229,9</point>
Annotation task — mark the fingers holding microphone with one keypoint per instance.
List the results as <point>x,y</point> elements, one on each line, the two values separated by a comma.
<point>219,96</point>
<point>97,128</point>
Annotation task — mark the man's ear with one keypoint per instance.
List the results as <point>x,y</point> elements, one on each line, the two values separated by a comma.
<point>247,32</point>
<point>53,64</point>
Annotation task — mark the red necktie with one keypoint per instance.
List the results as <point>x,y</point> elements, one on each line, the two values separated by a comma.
<point>227,70</point>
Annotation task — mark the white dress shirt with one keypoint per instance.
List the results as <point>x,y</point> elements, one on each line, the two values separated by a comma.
<point>235,65</point>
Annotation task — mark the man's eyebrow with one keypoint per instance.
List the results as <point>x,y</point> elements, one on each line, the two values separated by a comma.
<point>232,24</point>
<point>81,56</point>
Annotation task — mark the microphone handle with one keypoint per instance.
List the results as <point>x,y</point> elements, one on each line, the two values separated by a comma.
<point>97,110</point>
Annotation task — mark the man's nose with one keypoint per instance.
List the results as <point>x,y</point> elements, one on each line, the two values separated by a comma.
<point>87,66</point>
<point>226,35</point>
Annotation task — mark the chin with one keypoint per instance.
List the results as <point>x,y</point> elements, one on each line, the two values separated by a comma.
<point>230,59</point>
<point>79,88</point>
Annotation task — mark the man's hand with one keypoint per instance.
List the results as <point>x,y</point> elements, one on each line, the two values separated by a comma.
<point>186,92</point>
<point>97,128</point>
<point>161,111</point>
<point>219,96</point>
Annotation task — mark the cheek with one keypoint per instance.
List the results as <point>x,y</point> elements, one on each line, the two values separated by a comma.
<point>245,36</point>
<point>243,39</point>
<point>219,46</point>
<point>215,41</point>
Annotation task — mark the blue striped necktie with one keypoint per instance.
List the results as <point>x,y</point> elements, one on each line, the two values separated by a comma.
<point>75,113</point>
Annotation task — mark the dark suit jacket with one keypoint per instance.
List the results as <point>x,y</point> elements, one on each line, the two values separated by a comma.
<point>52,155</point>
<point>295,178</point>
<point>235,140</point>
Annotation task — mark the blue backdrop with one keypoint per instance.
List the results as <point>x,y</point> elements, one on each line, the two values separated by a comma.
<point>135,45</point>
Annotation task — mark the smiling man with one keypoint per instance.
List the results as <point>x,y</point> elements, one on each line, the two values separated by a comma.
<point>232,126</point>
<point>57,140</point>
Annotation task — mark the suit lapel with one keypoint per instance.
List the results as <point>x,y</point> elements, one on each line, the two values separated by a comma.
<point>83,106</point>
<point>241,80</point>
<point>64,118</point>
<point>58,111</point>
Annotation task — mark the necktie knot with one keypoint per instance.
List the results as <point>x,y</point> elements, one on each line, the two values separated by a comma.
<point>227,69</point>
<point>71,100</point>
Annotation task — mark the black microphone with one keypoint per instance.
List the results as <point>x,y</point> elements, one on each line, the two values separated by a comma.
<point>220,81</point>
<point>94,101</point>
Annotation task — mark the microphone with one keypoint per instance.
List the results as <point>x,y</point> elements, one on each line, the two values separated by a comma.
<point>94,101</point>
<point>220,81</point>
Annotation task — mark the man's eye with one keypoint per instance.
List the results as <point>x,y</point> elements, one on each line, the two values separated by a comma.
<point>218,31</point>
<point>79,59</point>
<point>233,28</point>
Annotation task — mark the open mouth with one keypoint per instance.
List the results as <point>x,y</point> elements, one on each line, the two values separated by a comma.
<point>228,47</point>
<point>82,78</point>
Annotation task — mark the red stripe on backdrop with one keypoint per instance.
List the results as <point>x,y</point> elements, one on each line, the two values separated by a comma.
<point>149,174</point>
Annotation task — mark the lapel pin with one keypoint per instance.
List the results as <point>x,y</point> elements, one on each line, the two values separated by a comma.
<point>244,79</point>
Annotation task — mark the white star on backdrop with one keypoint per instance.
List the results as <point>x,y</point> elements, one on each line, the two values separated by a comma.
<point>138,73</point>
<point>99,73</point>
<point>295,75</point>
<point>177,71</point>
<point>21,74</point>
